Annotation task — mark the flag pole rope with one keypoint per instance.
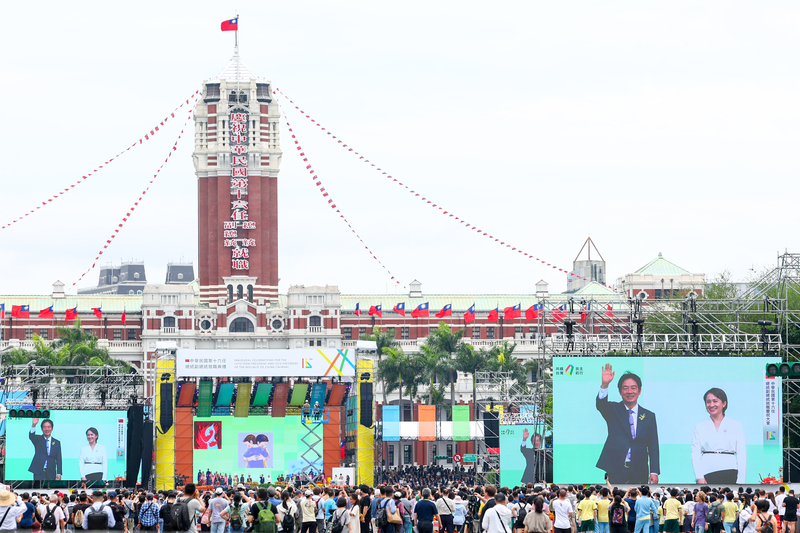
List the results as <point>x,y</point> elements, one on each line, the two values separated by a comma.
<point>132,208</point>
<point>331,203</point>
<point>145,137</point>
<point>424,199</point>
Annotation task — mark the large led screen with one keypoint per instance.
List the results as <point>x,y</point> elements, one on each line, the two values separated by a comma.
<point>522,454</point>
<point>257,445</point>
<point>70,445</point>
<point>714,420</point>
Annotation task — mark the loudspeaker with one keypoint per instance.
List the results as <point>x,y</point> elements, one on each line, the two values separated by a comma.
<point>147,452</point>
<point>365,393</point>
<point>491,429</point>
<point>135,428</point>
<point>165,416</point>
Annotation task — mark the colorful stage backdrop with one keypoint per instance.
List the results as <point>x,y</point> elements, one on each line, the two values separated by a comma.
<point>675,435</point>
<point>70,452</point>
<point>257,445</point>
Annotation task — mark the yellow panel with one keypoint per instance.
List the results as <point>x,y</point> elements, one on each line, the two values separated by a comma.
<point>365,442</point>
<point>165,444</point>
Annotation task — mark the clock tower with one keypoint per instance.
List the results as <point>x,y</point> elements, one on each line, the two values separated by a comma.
<point>237,157</point>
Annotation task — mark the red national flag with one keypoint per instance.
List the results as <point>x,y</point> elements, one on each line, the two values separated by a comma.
<point>72,314</point>
<point>376,310</point>
<point>123,317</point>
<point>494,315</point>
<point>447,310</point>
<point>98,312</point>
<point>610,311</point>
<point>230,25</point>
<point>21,311</point>
<point>532,313</point>
<point>47,312</point>
<point>513,312</point>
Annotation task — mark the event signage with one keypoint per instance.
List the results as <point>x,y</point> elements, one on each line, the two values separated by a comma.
<point>240,245</point>
<point>726,432</point>
<point>305,362</point>
<point>470,458</point>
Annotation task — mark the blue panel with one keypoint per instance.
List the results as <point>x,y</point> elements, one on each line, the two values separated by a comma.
<point>225,396</point>
<point>318,392</point>
<point>391,423</point>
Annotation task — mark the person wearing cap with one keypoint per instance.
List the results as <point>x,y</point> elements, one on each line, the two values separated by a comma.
<point>309,510</point>
<point>117,509</point>
<point>217,505</point>
<point>148,514</point>
<point>11,510</point>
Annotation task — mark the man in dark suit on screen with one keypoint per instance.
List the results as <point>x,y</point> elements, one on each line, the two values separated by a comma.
<point>630,454</point>
<point>46,463</point>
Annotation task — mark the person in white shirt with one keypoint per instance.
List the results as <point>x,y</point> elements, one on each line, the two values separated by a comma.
<point>11,510</point>
<point>58,513</point>
<point>563,511</point>
<point>93,459</point>
<point>97,505</point>
<point>719,451</point>
<point>497,518</point>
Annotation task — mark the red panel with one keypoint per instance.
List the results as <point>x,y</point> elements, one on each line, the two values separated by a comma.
<point>186,397</point>
<point>337,394</point>
<point>212,108</point>
<point>184,442</point>
<point>332,440</point>
<point>280,396</point>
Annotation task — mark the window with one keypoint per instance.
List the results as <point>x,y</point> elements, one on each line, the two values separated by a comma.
<point>44,334</point>
<point>449,454</point>
<point>130,292</point>
<point>319,342</point>
<point>658,294</point>
<point>518,330</point>
<point>407,454</point>
<point>316,299</point>
<point>28,334</point>
<point>131,334</point>
<point>390,454</point>
<point>262,92</point>
<point>476,332</point>
<point>315,321</point>
<point>87,331</point>
<point>230,293</point>
<point>135,275</point>
<point>180,275</point>
<point>490,332</point>
<point>139,293</point>
<point>168,322</point>
<point>2,334</point>
<point>362,331</point>
<point>239,292</point>
<point>250,293</point>
<point>348,334</point>
<point>404,333</point>
<point>533,329</point>
<point>212,91</point>
<point>241,325</point>
<point>117,334</point>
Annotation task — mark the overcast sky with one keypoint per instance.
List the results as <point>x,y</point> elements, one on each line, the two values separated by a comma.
<point>653,127</point>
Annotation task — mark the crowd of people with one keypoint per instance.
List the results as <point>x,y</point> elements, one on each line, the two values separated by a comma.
<point>429,476</point>
<point>440,507</point>
<point>217,479</point>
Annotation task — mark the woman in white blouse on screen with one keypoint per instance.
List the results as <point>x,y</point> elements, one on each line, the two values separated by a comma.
<point>93,460</point>
<point>719,451</point>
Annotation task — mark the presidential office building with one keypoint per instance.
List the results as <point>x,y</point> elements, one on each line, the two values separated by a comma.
<point>232,300</point>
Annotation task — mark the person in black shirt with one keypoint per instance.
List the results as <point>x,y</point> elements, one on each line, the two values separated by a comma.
<point>263,496</point>
<point>365,507</point>
<point>790,517</point>
<point>425,513</point>
<point>491,490</point>
<point>165,512</point>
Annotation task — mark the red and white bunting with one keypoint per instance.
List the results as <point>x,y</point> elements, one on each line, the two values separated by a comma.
<point>331,203</point>
<point>146,137</point>
<point>427,201</point>
<point>132,208</point>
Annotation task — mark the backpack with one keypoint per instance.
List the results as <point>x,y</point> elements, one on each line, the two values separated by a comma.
<point>205,518</point>
<point>179,516</point>
<point>521,514</point>
<point>77,519</point>
<point>618,516</point>
<point>287,524</point>
<point>265,521</point>
<point>381,520</point>
<point>236,517</point>
<point>768,527</point>
<point>97,518</point>
<point>337,526</point>
<point>49,520</point>
<point>714,513</point>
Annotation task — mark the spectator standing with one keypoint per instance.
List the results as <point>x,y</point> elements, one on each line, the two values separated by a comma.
<point>496,519</point>
<point>218,505</point>
<point>562,511</point>
<point>425,512</point>
<point>11,510</point>
<point>148,515</point>
<point>92,518</point>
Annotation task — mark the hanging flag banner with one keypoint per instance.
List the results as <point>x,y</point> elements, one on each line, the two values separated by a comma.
<point>318,183</point>
<point>105,163</point>
<point>304,362</point>
<point>132,208</point>
<point>429,202</point>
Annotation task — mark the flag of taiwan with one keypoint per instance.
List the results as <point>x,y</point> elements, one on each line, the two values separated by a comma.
<point>532,313</point>
<point>72,314</point>
<point>421,310</point>
<point>400,309</point>
<point>447,310</point>
<point>513,312</point>
<point>376,310</point>
<point>494,315</point>
<point>123,317</point>
<point>47,312</point>
<point>230,25</point>
<point>2,310</point>
<point>21,311</point>
<point>98,312</point>
<point>357,312</point>
<point>469,316</point>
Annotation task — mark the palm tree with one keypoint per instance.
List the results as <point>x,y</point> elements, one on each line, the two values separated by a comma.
<point>390,370</point>
<point>433,366</point>
<point>501,360</point>
<point>16,356</point>
<point>383,340</point>
<point>471,361</point>
<point>446,341</point>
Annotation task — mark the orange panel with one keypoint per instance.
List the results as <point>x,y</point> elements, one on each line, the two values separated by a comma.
<point>184,442</point>
<point>279,398</point>
<point>427,422</point>
<point>332,440</point>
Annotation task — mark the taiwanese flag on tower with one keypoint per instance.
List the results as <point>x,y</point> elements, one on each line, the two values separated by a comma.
<point>494,315</point>
<point>21,311</point>
<point>421,310</point>
<point>532,313</point>
<point>400,309</point>
<point>72,314</point>
<point>447,310</point>
<point>376,310</point>
<point>469,316</point>
<point>357,312</point>
<point>513,312</point>
<point>47,312</point>
<point>98,312</point>
<point>230,25</point>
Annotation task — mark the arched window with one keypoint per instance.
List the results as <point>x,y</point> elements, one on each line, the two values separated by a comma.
<point>239,292</point>
<point>169,322</point>
<point>314,321</point>
<point>250,293</point>
<point>230,293</point>
<point>135,275</point>
<point>241,325</point>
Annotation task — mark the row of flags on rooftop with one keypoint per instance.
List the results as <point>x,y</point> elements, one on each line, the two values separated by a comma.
<point>509,313</point>
<point>24,311</point>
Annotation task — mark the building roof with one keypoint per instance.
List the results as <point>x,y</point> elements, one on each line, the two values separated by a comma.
<point>593,289</point>
<point>661,267</point>
<point>110,303</point>
<point>236,70</point>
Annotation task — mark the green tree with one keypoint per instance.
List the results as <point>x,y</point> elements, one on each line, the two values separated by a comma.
<point>471,361</point>
<point>501,360</point>
<point>434,367</point>
<point>383,340</point>
<point>444,341</point>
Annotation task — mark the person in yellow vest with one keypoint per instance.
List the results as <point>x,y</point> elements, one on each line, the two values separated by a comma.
<point>673,513</point>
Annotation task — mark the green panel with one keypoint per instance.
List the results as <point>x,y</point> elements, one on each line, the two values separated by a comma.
<point>243,399</point>
<point>225,396</point>
<point>204,399</point>
<point>262,394</point>
<point>461,422</point>
<point>299,393</point>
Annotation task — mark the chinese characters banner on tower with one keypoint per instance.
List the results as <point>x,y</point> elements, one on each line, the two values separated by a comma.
<point>238,242</point>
